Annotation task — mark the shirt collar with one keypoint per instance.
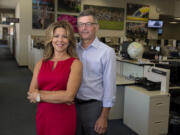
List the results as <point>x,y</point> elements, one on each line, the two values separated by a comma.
<point>93,44</point>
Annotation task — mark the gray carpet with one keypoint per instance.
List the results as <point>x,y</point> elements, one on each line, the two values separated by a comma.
<point>17,115</point>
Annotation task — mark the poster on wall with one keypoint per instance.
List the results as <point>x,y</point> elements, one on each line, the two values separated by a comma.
<point>72,6</point>
<point>136,30</point>
<point>42,13</point>
<point>47,5</point>
<point>70,18</point>
<point>136,12</point>
<point>111,18</point>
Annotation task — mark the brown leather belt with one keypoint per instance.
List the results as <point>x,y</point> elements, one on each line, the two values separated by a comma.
<point>80,101</point>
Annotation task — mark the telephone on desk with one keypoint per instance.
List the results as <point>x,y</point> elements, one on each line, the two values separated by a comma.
<point>147,84</point>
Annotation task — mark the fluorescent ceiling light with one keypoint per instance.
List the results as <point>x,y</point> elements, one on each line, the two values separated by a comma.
<point>173,22</point>
<point>177,18</point>
<point>3,19</point>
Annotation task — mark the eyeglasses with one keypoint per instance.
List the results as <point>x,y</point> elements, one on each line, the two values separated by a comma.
<point>88,24</point>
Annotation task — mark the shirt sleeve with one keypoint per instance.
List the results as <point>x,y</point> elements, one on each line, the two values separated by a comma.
<point>109,78</point>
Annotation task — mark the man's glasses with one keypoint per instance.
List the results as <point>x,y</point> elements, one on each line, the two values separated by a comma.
<point>88,24</point>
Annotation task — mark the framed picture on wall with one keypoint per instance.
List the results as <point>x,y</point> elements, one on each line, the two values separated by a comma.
<point>47,5</point>
<point>70,18</point>
<point>42,13</point>
<point>137,12</point>
<point>111,18</point>
<point>72,6</point>
<point>136,30</point>
<point>40,21</point>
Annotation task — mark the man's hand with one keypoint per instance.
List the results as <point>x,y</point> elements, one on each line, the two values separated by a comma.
<point>101,125</point>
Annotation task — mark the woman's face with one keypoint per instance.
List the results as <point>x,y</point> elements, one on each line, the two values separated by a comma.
<point>60,40</point>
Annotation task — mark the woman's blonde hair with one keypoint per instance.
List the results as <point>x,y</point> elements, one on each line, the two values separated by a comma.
<point>49,50</point>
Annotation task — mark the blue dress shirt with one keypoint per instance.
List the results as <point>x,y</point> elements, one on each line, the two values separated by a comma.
<point>99,73</point>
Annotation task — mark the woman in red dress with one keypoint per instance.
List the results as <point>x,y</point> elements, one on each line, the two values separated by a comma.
<point>55,82</point>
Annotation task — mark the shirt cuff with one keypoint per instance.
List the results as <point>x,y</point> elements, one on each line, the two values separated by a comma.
<point>108,102</point>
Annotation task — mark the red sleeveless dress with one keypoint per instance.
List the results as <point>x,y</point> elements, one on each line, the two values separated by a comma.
<point>55,119</point>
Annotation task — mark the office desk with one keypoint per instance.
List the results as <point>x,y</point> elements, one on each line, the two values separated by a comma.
<point>118,108</point>
<point>123,81</point>
<point>146,112</point>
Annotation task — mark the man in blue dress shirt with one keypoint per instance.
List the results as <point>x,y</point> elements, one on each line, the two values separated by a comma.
<point>97,92</point>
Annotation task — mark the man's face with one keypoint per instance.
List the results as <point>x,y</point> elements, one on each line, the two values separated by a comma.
<point>87,27</point>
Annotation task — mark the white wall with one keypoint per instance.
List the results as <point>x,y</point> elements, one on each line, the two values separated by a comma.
<point>23,29</point>
<point>17,42</point>
<point>1,32</point>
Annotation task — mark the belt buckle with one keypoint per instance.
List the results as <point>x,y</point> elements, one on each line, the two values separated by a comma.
<point>79,101</point>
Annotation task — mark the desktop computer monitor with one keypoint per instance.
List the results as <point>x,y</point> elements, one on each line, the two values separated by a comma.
<point>124,52</point>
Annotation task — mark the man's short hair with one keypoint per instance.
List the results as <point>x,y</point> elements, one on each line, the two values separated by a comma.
<point>88,12</point>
